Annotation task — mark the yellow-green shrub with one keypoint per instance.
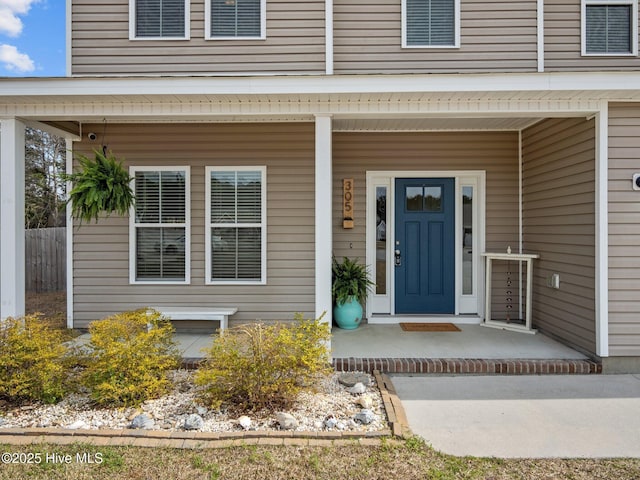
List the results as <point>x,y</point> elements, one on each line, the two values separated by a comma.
<point>258,366</point>
<point>131,354</point>
<point>32,364</point>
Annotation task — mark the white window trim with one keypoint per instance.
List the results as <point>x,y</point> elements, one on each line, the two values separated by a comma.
<point>132,24</point>
<point>634,27</point>
<point>456,28</point>
<point>263,24</point>
<point>262,225</point>
<point>187,228</point>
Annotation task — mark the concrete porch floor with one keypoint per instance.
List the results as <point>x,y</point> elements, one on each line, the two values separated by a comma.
<point>473,341</point>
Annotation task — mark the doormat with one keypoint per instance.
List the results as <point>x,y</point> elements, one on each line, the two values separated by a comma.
<point>429,327</point>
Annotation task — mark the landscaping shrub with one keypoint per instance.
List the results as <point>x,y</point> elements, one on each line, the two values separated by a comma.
<point>129,361</point>
<point>32,361</point>
<point>259,366</point>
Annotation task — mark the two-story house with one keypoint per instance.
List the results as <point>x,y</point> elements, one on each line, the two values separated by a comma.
<point>460,126</point>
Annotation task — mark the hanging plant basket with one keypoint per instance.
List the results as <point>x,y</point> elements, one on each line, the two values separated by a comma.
<point>101,186</point>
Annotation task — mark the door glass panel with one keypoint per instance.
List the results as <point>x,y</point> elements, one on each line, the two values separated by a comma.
<point>414,199</point>
<point>432,199</point>
<point>467,240</point>
<point>381,240</point>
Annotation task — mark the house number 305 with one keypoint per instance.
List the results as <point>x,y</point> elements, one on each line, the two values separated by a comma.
<point>347,203</point>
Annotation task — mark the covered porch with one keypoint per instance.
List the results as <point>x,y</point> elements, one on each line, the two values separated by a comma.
<point>473,350</point>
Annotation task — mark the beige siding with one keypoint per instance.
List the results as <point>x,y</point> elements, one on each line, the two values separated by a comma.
<point>101,251</point>
<point>562,42</point>
<point>494,152</point>
<point>559,225</point>
<point>496,36</point>
<point>101,46</point>
<point>624,230</point>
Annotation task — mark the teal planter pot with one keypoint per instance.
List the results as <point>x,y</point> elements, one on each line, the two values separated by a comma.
<point>348,315</point>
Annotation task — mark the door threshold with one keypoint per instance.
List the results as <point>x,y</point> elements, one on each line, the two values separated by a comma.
<point>378,319</point>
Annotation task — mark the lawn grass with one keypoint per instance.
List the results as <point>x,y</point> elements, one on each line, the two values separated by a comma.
<point>393,461</point>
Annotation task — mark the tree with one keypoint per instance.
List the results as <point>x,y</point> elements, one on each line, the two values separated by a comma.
<point>44,187</point>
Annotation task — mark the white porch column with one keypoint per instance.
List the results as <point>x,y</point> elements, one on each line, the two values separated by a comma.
<point>602,231</point>
<point>323,219</point>
<point>12,259</point>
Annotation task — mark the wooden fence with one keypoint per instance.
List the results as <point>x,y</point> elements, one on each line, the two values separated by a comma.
<point>46,259</point>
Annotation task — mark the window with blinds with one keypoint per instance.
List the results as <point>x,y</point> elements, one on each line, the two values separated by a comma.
<point>160,236</point>
<point>430,23</point>
<point>609,28</point>
<point>160,18</point>
<point>235,18</point>
<point>236,225</point>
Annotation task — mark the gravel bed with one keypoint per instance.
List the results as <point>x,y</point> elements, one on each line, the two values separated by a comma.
<point>331,408</point>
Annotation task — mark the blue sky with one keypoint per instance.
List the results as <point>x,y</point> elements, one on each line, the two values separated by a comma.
<point>32,38</point>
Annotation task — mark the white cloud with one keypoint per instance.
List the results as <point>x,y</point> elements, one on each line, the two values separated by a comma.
<point>10,24</point>
<point>14,60</point>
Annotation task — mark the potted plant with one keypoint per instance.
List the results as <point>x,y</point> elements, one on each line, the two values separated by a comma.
<point>102,185</point>
<point>350,288</point>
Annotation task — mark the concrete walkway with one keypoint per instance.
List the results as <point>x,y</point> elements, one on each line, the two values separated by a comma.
<point>525,416</point>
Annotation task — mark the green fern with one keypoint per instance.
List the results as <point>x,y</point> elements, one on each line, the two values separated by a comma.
<point>350,280</point>
<point>102,185</point>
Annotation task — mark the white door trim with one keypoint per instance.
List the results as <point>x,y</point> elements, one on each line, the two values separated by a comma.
<point>464,304</point>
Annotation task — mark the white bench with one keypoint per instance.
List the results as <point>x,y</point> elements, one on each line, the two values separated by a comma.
<point>199,313</point>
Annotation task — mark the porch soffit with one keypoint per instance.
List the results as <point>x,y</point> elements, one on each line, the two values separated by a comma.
<point>512,100</point>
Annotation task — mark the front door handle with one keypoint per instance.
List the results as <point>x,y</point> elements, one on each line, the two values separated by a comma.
<point>397,256</point>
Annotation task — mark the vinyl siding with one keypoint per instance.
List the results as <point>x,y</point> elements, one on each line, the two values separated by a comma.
<point>101,251</point>
<point>624,230</point>
<point>494,152</point>
<point>496,36</point>
<point>562,42</point>
<point>101,46</point>
<point>559,225</point>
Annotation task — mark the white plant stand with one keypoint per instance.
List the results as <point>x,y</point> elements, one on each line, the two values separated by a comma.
<point>509,257</point>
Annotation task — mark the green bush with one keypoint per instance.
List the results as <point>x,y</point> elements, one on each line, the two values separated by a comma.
<point>129,361</point>
<point>32,361</point>
<point>259,366</point>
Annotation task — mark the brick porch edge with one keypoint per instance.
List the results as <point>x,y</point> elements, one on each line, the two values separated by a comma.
<point>468,366</point>
<point>166,439</point>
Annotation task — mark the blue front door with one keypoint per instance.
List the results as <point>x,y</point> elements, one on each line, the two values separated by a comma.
<point>424,249</point>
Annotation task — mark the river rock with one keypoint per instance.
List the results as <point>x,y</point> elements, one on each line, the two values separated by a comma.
<point>365,401</point>
<point>193,422</point>
<point>286,421</point>
<point>142,421</point>
<point>78,424</point>
<point>357,389</point>
<point>349,379</point>
<point>244,422</point>
<point>330,422</point>
<point>364,416</point>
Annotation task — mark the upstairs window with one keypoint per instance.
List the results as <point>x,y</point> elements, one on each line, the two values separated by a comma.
<point>609,27</point>
<point>430,23</point>
<point>159,19</point>
<point>236,225</point>
<point>159,228</point>
<point>235,19</point>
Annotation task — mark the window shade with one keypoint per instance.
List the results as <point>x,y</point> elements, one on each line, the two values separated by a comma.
<point>608,28</point>
<point>236,225</point>
<point>430,22</point>
<point>160,216</point>
<point>160,18</point>
<point>236,18</point>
